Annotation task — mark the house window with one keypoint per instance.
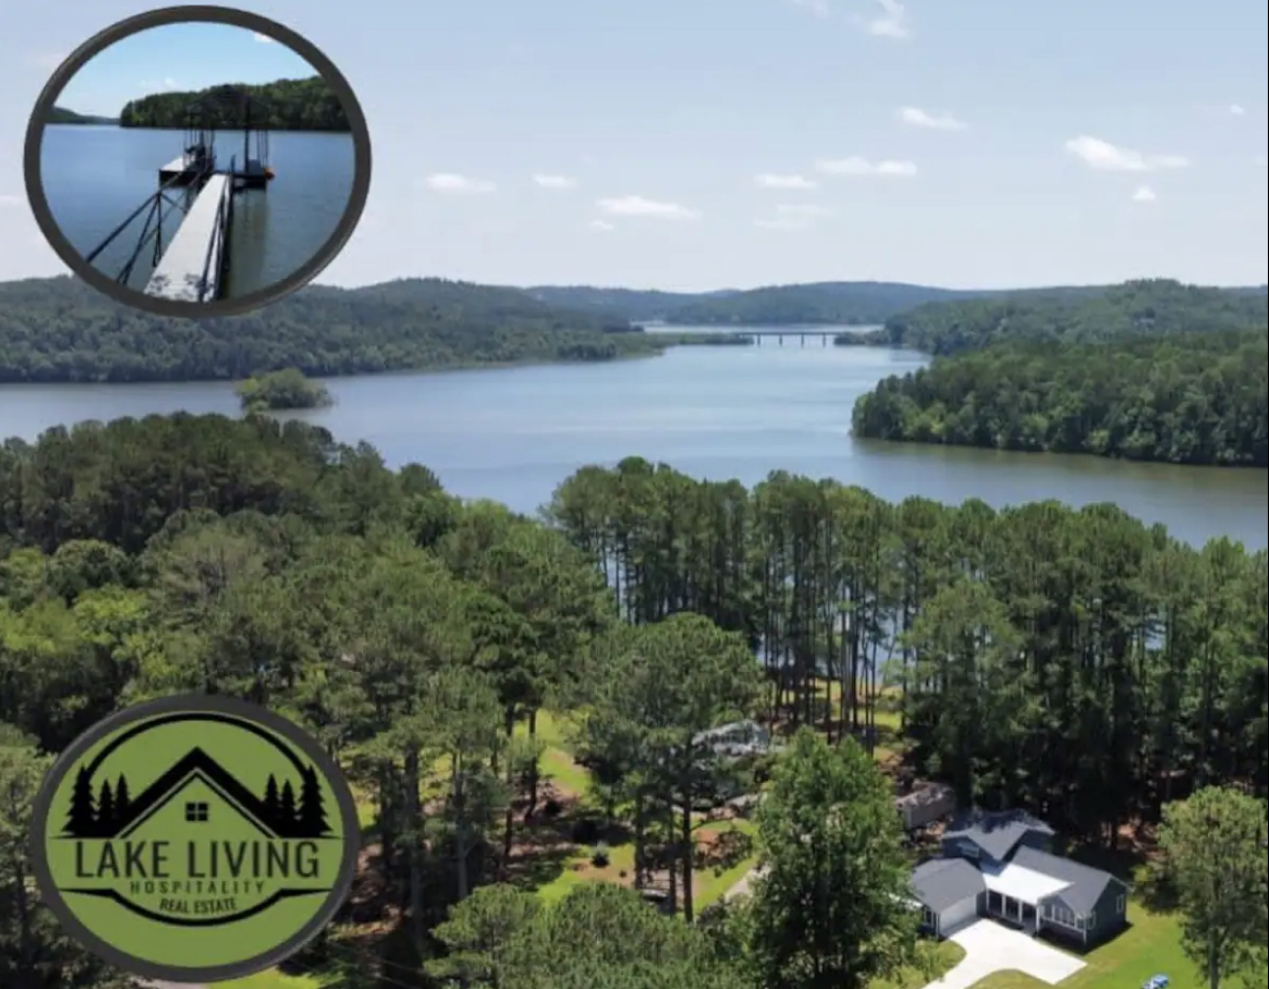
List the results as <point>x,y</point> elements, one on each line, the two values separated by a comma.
<point>196,812</point>
<point>1121,904</point>
<point>1091,921</point>
<point>969,849</point>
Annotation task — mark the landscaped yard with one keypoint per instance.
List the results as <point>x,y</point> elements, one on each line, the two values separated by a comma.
<point>1151,946</point>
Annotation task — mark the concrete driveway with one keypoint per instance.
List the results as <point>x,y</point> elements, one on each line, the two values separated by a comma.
<point>989,948</point>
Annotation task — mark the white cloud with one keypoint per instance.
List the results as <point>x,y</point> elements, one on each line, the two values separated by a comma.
<point>862,166</point>
<point>263,39</point>
<point>639,206</point>
<point>555,181</point>
<point>891,22</point>
<point>785,182</point>
<point>1235,110</point>
<point>1144,194</point>
<point>1263,161</point>
<point>793,216</point>
<point>819,8</point>
<point>7,200</point>
<point>934,121</point>
<point>449,182</point>
<point>168,84</point>
<point>603,226</point>
<point>1107,157</point>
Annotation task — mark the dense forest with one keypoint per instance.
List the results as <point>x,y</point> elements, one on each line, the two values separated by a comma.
<point>492,682</point>
<point>1150,306</point>
<point>1183,399</point>
<point>287,104</point>
<point>58,329</point>
<point>1148,370</point>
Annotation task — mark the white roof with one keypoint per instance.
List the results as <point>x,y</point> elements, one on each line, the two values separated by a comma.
<point>1021,883</point>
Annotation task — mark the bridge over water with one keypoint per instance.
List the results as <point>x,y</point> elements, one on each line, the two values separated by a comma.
<point>801,334</point>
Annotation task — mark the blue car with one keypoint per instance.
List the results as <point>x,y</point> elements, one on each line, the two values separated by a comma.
<point>1155,982</point>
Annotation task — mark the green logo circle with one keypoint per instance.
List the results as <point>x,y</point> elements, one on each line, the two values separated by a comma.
<point>195,839</point>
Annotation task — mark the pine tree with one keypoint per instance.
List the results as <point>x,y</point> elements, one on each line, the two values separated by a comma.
<point>271,800</point>
<point>312,813</point>
<point>105,809</point>
<point>122,797</point>
<point>286,811</point>
<point>83,814</point>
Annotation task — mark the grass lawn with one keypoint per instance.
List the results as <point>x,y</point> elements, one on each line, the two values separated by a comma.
<point>1151,946</point>
<point>709,884</point>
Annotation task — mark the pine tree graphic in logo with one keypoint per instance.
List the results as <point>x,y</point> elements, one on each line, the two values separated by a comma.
<point>195,839</point>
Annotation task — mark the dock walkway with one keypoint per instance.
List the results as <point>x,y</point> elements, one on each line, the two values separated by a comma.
<point>180,273</point>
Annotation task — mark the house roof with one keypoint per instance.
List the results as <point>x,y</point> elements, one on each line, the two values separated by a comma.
<point>941,883</point>
<point>1085,884</point>
<point>996,832</point>
<point>195,764</point>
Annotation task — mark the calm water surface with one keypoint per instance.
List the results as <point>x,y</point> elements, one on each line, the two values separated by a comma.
<point>717,412</point>
<point>95,176</point>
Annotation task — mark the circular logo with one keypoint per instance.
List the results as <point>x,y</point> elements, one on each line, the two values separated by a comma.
<point>194,839</point>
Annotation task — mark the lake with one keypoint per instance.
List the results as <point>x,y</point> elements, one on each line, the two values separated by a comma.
<point>96,175</point>
<point>512,434</point>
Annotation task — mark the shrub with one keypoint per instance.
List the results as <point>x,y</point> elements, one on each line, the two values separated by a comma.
<point>600,858</point>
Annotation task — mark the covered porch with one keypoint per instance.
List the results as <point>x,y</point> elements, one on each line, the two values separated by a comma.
<point>1018,896</point>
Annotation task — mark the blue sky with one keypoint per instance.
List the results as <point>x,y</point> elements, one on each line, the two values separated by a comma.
<point>178,57</point>
<point>694,144</point>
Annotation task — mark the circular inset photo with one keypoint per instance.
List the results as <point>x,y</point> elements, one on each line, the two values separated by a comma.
<point>197,161</point>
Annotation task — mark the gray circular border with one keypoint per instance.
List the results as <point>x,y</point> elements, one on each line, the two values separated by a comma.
<point>209,14</point>
<point>195,703</point>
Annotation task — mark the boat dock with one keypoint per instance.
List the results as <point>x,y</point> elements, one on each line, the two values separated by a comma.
<point>192,267</point>
<point>186,169</point>
<point>193,264</point>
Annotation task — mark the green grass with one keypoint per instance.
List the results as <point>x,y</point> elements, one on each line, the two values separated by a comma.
<point>1151,946</point>
<point>558,767</point>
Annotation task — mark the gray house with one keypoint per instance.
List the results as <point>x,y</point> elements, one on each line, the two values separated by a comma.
<point>1000,865</point>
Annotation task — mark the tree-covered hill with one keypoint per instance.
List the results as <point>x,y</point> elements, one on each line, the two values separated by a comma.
<point>61,115</point>
<point>287,104</point>
<point>847,303</point>
<point>622,303</point>
<point>1076,315</point>
<point>58,329</point>
<point>1185,398</point>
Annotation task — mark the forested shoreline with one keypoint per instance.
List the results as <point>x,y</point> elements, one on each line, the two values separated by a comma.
<point>60,330</point>
<point>1199,399</point>
<point>1073,662</point>
<point>1144,307</point>
<point>1150,370</point>
<point>285,104</point>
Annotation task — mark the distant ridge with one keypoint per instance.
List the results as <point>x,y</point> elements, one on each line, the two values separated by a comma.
<point>61,115</point>
<point>865,303</point>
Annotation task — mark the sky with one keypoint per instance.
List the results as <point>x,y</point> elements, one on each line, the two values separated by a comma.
<point>185,57</point>
<point>702,144</point>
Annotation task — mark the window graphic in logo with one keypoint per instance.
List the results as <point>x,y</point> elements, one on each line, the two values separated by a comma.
<point>195,839</point>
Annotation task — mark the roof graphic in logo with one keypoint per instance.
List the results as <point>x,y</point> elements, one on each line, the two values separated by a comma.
<point>211,866</point>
